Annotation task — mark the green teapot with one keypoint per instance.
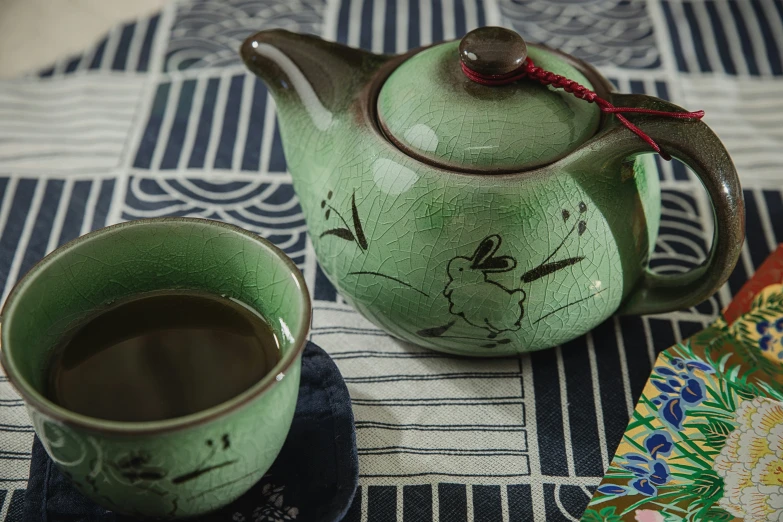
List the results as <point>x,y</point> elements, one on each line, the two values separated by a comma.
<point>462,205</point>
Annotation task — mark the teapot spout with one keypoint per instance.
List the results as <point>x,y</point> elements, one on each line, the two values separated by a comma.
<point>306,72</point>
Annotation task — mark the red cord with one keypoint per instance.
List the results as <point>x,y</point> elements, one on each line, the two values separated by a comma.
<point>529,70</point>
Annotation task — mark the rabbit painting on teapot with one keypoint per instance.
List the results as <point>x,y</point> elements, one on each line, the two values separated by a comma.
<point>487,197</point>
<point>469,276</point>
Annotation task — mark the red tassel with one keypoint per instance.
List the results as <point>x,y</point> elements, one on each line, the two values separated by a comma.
<point>529,70</point>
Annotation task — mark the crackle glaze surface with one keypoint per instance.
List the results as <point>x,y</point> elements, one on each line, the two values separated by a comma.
<point>445,117</point>
<point>476,264</point>
<point>177,467</point>
<point>485,271</point>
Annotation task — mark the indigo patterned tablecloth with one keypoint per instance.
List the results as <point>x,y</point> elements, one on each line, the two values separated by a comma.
<point>160,118</point>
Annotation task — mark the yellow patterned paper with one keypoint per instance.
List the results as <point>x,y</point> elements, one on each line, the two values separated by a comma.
<point>705,442</point>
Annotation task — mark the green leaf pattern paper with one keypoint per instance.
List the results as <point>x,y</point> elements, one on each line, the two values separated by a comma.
<point>705,442</point>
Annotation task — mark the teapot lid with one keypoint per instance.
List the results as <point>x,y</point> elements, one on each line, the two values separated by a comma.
<point>433,111</point>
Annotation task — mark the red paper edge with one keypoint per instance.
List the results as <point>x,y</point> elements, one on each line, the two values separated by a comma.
<point>769,273</point>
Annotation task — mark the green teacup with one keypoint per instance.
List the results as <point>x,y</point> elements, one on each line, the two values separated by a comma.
<point>182,466</point>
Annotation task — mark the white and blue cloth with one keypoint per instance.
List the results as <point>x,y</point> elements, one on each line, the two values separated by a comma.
<point>160,118</point>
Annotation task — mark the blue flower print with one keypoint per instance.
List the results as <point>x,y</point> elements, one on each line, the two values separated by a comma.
<point>659,444</point>
<point>671,413</point>
<point>664,387</point>
<point>649,470</point>
<point>677,363</point>
<point>698,365</point>
<point>663,370</point>
<point>680,389</point>
<point>693,392</point>
<point>659,473</point>
<point>762,327</point>
<point>644,486</point>
<point>768,340</point>
<point>656,471</point>
<point>636,470</point>
<point>612,489</point>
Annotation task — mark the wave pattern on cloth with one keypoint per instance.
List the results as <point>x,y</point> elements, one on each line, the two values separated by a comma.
<point>127,48</point>
<point>206,33</point>
<point>601,32</point>
<point>73,125</point>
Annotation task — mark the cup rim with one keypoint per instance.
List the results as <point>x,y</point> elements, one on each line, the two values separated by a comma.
<point>38,401</point>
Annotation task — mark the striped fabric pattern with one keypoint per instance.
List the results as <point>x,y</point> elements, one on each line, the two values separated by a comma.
<point>75,126</point>
<point>746,114</point>
<point>127,48</point>
<point>210,123</point>
<point>160,118</point>
<point>394,26</point>
<point>40,214</point>
<point>737,37</point>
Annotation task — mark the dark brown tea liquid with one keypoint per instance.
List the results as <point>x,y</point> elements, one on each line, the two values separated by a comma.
<point>161,355</point>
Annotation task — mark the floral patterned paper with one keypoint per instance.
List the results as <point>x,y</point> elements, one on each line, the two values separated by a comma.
<point>705,442</point>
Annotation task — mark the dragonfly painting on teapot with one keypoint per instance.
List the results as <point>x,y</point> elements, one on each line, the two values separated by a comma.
<point>473,215</point>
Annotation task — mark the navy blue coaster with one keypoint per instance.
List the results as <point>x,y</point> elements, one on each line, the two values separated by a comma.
<point>313,479</point>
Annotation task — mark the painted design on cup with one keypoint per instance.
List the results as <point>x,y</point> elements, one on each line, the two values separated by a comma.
<point>137,468</point>
<point>207,464</point>
<point>273,508</point>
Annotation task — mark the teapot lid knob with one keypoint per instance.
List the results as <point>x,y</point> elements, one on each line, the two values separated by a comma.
<point>492,51</point>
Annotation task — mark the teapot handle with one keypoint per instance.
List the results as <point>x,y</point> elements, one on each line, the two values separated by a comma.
<point>695,144</point>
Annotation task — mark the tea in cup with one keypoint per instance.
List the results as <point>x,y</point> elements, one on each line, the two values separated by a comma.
<point>159,361</point>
